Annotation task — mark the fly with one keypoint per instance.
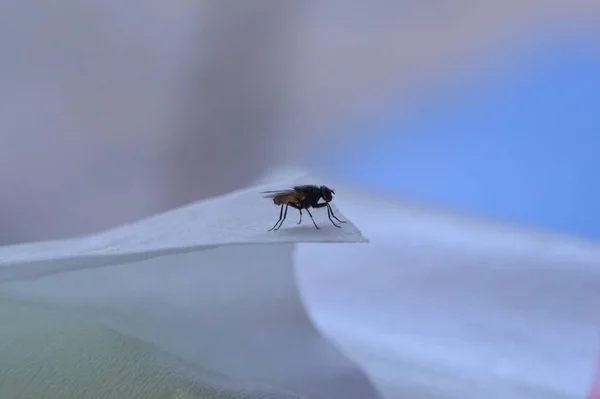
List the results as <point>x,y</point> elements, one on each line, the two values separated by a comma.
<point>302,198</point>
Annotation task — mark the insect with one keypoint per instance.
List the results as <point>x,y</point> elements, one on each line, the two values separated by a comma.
<point>302,197</point>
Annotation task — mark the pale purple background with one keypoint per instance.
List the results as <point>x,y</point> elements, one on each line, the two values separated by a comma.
<point>111,111</point>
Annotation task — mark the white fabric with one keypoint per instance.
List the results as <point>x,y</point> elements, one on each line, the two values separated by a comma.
<point>434,306</point>
<point>199,301</point>
<point>446,306</point>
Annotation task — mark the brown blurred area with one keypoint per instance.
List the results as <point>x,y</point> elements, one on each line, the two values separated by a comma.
<point>111,111</point>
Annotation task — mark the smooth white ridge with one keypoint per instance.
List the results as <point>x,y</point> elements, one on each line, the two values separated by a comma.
<point>227,307</point>
<point>240,217</point>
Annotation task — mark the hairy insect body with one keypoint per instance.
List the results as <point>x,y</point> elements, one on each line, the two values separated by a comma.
<point>302,198</point>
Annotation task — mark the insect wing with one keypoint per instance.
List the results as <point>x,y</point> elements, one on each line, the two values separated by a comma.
<point>291,193</point>
<point>277,193</point>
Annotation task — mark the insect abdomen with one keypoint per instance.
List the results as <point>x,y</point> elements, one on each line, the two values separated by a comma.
<point>284,199</point>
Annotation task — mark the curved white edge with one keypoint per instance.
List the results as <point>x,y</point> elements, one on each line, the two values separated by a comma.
<point>241,217</point>
<point>233,310</point>
<point>452,306</point>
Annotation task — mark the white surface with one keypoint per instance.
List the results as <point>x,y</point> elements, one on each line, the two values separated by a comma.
<point>189,283</point>
<point>435,306</point>
<point>444,306</point>
<point>241,217</point>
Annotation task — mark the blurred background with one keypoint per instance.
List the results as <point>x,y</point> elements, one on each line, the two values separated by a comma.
<point>112,111</point>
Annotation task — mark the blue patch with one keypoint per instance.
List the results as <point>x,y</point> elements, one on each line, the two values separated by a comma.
<point>519,142</point>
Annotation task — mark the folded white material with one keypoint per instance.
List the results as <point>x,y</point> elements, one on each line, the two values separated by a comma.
<point>241,217</point>
<point>198,302</point>
<point>447,306</point>
<point>436,306</point>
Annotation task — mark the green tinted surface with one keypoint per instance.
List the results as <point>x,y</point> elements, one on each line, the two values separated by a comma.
<point>52,355</point>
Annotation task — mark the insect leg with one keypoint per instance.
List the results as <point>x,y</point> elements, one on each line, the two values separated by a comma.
<point>311,218</point>
<point>278,220</point>
<point>329,216</point>
<point>283,219</point>
<point>299,209</point>
<point>329,212</point>
<point>332,214</point>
